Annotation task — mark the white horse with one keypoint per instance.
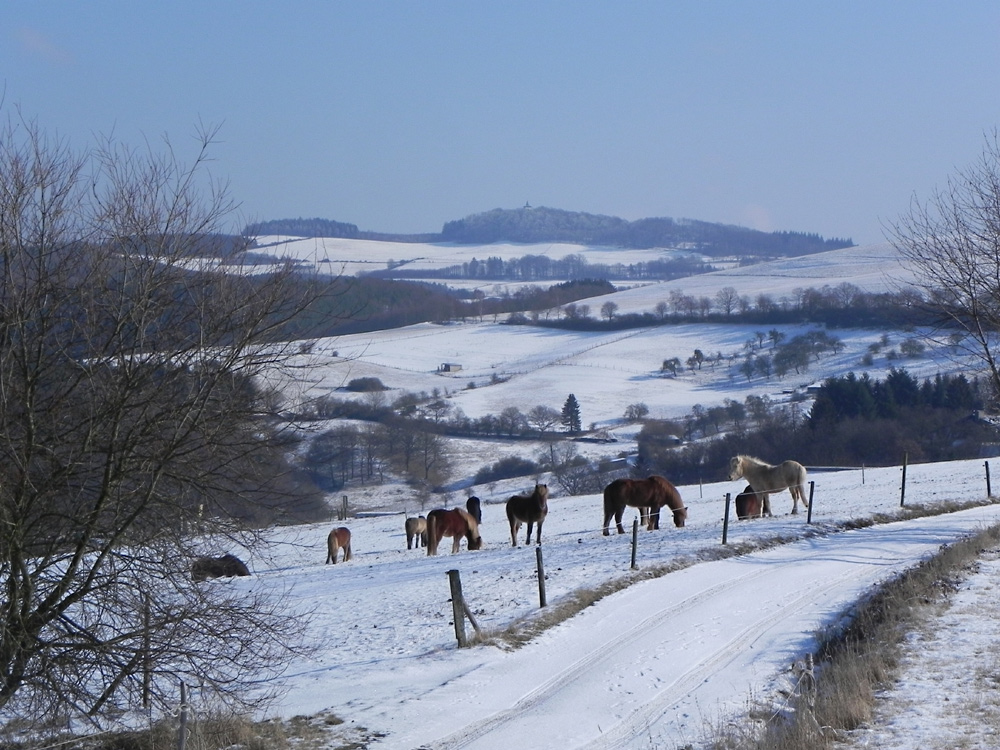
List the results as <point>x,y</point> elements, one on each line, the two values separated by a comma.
<point>765,478</point>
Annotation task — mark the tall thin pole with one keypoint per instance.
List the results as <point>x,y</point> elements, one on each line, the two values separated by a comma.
<point>182,730</point>
<point>902,490</point>
<point>725,519</point>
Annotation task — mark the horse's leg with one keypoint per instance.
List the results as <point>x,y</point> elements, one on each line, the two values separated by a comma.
<point>538,534</point>
<point>514,526</point>
<point>618,518</point>
<point>456,543</point>
<point>607,520</point>
<point>527,539</point>
<point>409,541</point>
<point>654,518</point>
<point>347,552</point>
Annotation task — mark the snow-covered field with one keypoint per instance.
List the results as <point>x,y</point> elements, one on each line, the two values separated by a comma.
<point>655,665</point>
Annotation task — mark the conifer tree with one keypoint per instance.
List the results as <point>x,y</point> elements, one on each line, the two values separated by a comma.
<point>571,414</point>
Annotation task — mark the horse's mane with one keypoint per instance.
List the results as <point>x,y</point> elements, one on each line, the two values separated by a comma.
<point>745,459</point>
<point>471,521</point>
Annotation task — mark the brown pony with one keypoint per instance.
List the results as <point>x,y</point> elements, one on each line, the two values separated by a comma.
<point>651,493</point>
<point>788,475</point>
<point>416,532</point>
<point>472,505</point>
<point>530,509</point>
<point>340,538</point>
<point>455,523</point>
<point>750,504</point>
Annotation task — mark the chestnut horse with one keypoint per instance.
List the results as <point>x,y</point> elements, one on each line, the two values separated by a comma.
<point>472,505</point>
<point>530,509</point>
<point>788,475</point>
<point>750,504</point>
<point>416,532</point>
<point>651,493</point>
<point>455,523</point>
<point>339,539</point>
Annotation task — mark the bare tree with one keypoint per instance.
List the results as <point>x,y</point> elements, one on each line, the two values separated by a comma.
<point>131,414</point>
<point>543,418</point>
<point>952,242</point>
<point>727,299</point>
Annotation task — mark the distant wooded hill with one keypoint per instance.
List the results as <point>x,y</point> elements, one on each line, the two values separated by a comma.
<point>534,225</point>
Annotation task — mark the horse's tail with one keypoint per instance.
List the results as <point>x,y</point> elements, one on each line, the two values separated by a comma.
<point>432,534</point>
<point>331,547</point>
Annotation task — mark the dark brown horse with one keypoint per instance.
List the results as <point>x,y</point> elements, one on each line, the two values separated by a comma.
<point>455,523</point>
<point>530,509</point>
<point>750,504</point>
<point>339,539</point>
<point>416,532</point>
<point>653,493</point>
<point>472,505</point>
<point>226,566</point>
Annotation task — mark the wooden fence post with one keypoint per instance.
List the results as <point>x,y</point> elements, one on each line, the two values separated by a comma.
<point>541,576</point>
<point>989,492</point>
<point>809,515</point>
<point>635,541</point>
<point>460,609</point>
<point>902,490</point>
<point>725,518</point>
<point>457,609</point>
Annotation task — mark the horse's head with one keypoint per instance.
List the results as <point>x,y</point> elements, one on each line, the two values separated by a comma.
<point>735,467</point>
<point>680,517</point>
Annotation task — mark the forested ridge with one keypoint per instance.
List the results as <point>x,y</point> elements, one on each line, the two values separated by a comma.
<point>541,224</point>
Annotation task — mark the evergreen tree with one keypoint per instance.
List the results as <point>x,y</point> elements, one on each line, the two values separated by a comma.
<point>571,414</point>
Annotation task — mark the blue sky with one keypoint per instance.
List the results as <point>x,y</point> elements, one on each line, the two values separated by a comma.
<point>823,117</point>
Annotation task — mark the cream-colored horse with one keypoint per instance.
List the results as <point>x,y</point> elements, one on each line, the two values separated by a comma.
<point>765,478</point>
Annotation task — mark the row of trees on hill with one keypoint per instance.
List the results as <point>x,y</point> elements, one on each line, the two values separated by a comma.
<point>406,438</point>
<point>541,267</point>
<point>534,225</point>
<point>855,421</point>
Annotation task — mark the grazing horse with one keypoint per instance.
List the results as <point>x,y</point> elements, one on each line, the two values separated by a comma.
<point>788,475</point>
<point>750,504</point>
<point>339,539</point>
<point>226,566</point>
<point>472,505</point>
<point>455,523</point>
<point>416,532</point>
<point>531,509</point>
<point>649,495</point>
